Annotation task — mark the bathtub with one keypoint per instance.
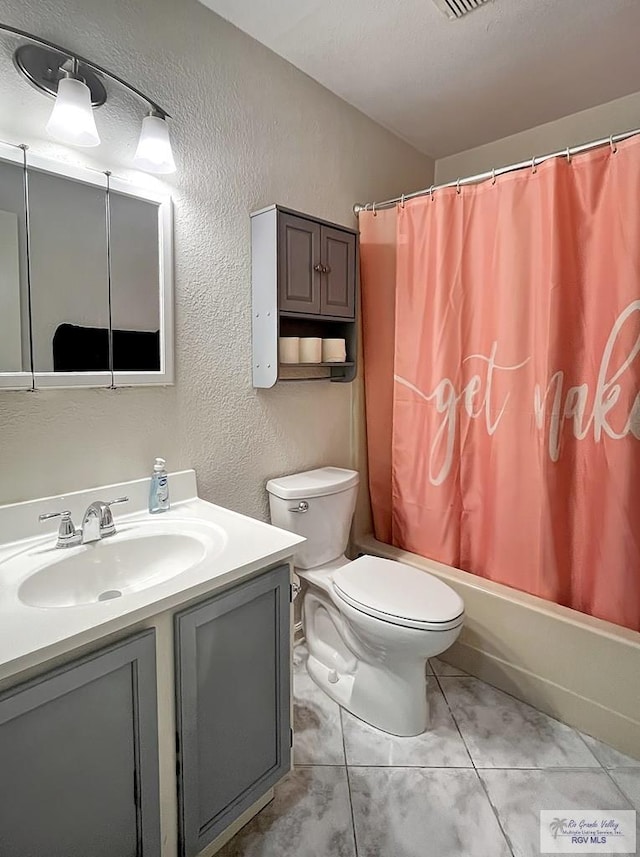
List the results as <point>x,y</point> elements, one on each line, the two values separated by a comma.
<point>581,670</point>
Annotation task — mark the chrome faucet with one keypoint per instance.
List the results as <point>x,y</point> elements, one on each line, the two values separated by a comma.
<point>97,523</point>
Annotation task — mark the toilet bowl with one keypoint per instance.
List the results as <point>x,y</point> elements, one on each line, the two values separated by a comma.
<point>370,624</point>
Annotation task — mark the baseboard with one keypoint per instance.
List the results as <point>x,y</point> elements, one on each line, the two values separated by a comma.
<point>581,670</point>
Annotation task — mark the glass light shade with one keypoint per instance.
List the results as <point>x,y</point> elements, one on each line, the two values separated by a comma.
<point>72,119</point>
<point>154,147</point>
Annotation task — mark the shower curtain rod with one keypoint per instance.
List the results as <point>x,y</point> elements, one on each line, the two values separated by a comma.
<point>492,174</point>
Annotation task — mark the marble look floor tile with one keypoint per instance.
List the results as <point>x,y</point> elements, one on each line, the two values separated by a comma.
<point>418,812</point>
<point>608,756</point>
<point>443,668</point>
<point>502,732</point>
<point>317,730</point>
<point>629,781</point>
<point>518,797</point>
<point>440,746</point>
<point>309,816</point>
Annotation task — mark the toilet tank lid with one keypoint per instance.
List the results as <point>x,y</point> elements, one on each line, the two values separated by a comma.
<point>313,483</point>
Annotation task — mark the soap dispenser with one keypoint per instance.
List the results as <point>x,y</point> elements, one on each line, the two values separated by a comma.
<point>159,490</point>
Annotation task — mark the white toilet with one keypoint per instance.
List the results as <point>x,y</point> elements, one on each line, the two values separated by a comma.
<point>371,624</point>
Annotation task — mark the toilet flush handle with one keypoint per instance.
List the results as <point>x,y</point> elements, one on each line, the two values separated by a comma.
<point>302,506</point>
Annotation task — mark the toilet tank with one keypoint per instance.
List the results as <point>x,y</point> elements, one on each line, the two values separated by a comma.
<point>318,505</point>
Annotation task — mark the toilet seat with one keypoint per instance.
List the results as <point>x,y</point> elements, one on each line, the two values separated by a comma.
<point>399,594</point>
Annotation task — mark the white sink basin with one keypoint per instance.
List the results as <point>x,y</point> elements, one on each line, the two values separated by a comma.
<point>138,556</point>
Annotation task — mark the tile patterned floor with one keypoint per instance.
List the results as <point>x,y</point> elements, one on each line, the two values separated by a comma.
<point>471,786</point>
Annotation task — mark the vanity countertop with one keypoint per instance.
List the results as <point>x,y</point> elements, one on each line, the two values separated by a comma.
<point>31,635</point>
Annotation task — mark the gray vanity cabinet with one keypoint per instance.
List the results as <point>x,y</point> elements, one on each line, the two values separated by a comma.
<point>79,758</point>
<point>233,684</point>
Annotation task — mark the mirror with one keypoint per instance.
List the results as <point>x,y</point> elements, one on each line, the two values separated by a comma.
<point>85,278</point>
<point>69,274</point>
<point>15,356</point>
<point>135,299</point>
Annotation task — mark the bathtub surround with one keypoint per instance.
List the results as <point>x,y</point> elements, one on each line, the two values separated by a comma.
<point>355,790</point>
<point>248,129</point>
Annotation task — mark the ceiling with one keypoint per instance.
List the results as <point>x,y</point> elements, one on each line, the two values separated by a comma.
<point>446,86</point>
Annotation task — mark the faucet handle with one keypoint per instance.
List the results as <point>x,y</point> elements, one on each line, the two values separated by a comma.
<point>107,527</point>
<point>47,515</point>
<point>67,535</point>
<point>117,501</point>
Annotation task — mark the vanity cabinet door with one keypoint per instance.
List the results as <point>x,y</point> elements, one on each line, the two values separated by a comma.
<point>298,264</point>
<point>338,288</point>
<point>233,704</point>
<point>78,758</point>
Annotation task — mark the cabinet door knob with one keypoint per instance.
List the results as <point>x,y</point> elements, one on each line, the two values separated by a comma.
<point>326,269</point>
<point>318,268</point>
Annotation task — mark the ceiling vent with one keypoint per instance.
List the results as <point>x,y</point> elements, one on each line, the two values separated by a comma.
<point>457,8</point>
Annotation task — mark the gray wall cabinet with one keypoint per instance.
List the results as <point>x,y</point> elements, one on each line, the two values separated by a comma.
<point>233,704</point>
<point>316,267</point>
<point>299,267</point>
<point>337,285</point>
<point>304,273</point>
<point>79,758</point>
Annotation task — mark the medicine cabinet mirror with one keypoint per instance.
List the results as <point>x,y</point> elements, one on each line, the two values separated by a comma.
<point>86,278</point>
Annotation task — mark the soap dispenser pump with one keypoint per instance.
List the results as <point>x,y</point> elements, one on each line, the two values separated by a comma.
<point>159,490</point>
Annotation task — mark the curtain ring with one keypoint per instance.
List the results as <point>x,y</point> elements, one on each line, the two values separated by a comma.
<point>614,149</point>
<point>458,187</point>
<point>373,208</point>
<point>534,169</point>
<point>568,155</point>
<point>431,192</point>
<point>493,175</point>
<point>402,201</point>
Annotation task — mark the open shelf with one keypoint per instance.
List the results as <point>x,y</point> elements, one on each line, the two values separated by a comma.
<point>327,371</point>
<point>331,364</point>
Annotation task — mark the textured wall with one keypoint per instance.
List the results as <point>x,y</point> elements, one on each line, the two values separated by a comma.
<point>248,130</point>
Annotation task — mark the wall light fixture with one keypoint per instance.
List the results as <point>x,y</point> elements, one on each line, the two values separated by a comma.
<point>78,87</point>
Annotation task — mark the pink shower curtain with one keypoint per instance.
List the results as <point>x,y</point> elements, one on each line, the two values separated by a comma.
<point>502,384</point>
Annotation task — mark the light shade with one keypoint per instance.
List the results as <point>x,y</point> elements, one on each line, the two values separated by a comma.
<point>72,119</point>
<point>154,147</point>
